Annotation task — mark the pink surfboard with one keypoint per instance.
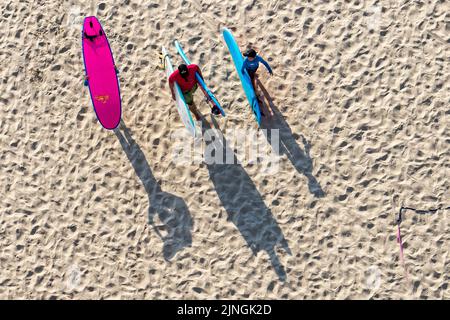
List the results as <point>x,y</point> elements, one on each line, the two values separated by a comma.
<point>100,70</point>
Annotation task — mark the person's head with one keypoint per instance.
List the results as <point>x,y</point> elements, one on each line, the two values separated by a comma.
<point>183,70</point>
<point>250,54</point>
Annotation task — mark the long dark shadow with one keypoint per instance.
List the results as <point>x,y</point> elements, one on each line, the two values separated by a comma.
<point>300,159</point>
<point>172,210</point>
<point>243,203</point>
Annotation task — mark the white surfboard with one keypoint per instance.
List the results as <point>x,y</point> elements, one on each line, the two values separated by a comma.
<point>182,107</point>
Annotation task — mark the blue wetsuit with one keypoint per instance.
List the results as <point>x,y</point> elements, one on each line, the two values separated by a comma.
<point>252,66</point>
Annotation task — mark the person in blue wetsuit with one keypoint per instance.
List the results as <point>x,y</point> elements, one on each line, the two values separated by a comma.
<point>251,64</point>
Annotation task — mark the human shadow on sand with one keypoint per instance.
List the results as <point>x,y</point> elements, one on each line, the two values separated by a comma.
<point>242,201</point>
<point>300,159</point>
<point>172,210</point>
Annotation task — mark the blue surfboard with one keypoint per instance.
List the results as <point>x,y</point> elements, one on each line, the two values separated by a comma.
<point>199,79</point>
<point>245,78</point>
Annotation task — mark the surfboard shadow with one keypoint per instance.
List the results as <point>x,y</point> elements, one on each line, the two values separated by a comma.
<point>300,159</point>
<point>244,205</point>
<point>171,209</point>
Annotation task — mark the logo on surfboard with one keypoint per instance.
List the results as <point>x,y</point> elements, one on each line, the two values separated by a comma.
<point>102,99</point>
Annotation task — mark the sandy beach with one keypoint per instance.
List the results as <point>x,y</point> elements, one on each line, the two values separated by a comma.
<point>360,96</point>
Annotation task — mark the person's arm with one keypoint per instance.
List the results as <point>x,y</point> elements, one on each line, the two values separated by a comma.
<point>171,85</point>
<point>264,62</point>
<point>244,66</point>
<point>199,72</point>
<point>208,98</point>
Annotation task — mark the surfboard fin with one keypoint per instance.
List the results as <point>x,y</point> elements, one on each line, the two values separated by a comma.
<point>162,60</point>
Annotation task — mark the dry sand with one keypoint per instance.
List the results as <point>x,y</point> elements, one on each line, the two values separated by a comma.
<point>362,103</point>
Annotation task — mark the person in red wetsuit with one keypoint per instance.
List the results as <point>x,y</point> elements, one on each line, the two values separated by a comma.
<point>185,78</point>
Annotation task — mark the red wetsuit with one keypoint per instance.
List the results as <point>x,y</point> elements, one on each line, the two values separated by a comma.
<point>185,84</point>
